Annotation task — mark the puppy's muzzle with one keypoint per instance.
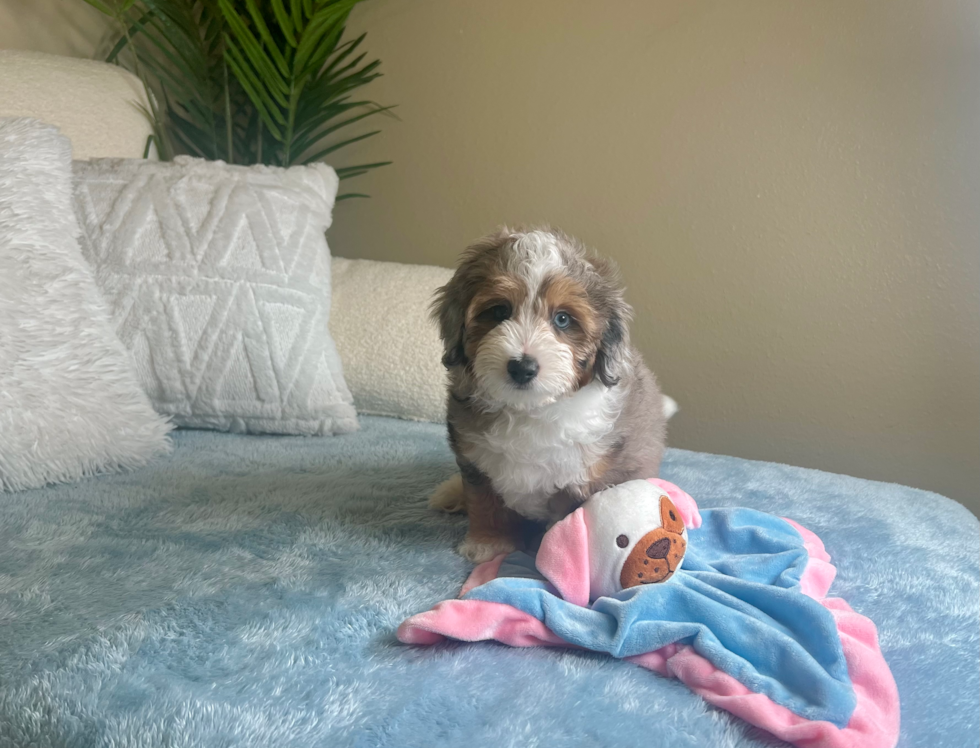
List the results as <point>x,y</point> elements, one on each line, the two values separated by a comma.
<point>522,370</point>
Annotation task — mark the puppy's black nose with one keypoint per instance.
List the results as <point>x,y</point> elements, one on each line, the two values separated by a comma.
<point>659,549</point>
<point>522,370</point>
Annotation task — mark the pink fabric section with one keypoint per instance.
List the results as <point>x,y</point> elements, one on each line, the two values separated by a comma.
<point>819,573</point>
<point>474,621</point>
<point>564,558</point>
<point>656,660</point>
<point>483,573</point>
<point>874,723</point>
<point>682,500</point>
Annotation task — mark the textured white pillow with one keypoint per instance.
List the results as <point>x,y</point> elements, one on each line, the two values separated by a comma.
<point>219,281</point>
<point>390,345</point>
<point>70,404</point>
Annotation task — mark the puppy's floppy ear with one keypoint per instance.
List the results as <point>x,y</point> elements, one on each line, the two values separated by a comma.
<point>605,289</point>
<point>451,301</point>
<point>449,310</point>
<point>612,358</point>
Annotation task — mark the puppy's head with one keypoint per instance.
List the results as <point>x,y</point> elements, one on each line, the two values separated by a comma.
<point>529,318</point>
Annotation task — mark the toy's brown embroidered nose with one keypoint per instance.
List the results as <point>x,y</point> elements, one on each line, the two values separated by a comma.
<point>659,549</point>
<point>654,558</point>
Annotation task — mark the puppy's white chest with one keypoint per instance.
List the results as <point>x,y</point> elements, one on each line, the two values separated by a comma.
<point>529,456</point>
<point>526,469</point>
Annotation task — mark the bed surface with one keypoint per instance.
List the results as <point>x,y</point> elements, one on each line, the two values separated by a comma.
<point>245,592</point>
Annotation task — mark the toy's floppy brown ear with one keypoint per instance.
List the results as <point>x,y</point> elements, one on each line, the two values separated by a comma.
<point>683,502</point>
<point>670,518</point>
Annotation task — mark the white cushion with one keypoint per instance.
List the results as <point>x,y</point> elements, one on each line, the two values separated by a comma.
<point>219,281</point>
<point>93,103</point>
<point>388,342</point>
<point>70,404</point>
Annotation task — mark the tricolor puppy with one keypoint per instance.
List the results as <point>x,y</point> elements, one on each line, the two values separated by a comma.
<point>548,401</point>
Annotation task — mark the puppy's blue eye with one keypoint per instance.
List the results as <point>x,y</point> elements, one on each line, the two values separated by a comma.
<point>500,312</point>
<point>562,320</point>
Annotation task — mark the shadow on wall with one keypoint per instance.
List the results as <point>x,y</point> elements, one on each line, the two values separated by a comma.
<point>61,27</point>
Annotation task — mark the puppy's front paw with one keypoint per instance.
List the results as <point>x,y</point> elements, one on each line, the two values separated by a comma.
<point>479,550</point>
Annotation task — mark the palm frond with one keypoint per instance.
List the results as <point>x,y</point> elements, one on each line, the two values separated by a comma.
<point>248,81</point>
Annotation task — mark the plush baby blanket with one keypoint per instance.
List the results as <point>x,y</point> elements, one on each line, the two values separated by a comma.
<point>745,623</point>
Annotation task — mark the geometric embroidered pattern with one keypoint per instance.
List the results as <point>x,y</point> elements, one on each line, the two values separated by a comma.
<point>218,278</point>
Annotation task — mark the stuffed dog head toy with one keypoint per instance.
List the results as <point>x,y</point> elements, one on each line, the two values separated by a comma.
<point>636,536</point>
<point>625,536</point>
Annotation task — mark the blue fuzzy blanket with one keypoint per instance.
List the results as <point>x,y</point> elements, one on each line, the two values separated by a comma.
<point>246,591</point>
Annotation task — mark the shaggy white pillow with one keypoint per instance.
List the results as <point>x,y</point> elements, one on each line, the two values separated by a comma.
<point>70,404</point>
<point>219,281</point>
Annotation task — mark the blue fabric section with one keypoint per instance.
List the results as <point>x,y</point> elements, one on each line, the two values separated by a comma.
<point>749,545</point>
<point>245,591</point>
<point>736,600</point>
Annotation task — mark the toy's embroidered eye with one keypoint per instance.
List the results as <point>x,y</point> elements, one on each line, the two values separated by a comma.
<point>562,320</point>
<point>622,541</point>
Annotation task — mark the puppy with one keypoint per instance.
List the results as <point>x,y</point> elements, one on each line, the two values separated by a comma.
<point>548,402</point>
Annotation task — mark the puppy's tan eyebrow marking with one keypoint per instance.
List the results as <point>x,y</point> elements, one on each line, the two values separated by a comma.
<point>562,293</point>
<point>496,289</point>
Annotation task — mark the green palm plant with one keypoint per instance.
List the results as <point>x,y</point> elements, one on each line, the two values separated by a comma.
<point>248,81</point>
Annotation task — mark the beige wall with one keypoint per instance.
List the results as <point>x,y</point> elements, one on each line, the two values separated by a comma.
<point>790,187</point>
